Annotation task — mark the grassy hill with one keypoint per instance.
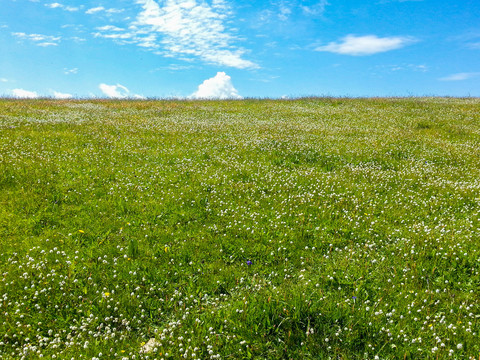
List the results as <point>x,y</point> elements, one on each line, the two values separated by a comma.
<point>296,229</point>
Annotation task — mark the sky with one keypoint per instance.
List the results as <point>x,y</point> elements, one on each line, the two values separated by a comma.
<point>239,49</point>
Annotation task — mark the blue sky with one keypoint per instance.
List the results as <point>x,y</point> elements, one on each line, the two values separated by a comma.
<point>239,48</point>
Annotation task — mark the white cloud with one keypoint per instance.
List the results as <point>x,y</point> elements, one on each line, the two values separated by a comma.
<point>218,87</point>
<point>3,80</point>
<point>59,95</point>
<point>366,45</point>
<point>316,9</point>
<point>61,6</point>
<point>70,71</point>
<point>139,97</point>
<point>114,11</point>
<point>403,67</point>
<point>109,28</point>
<point>99,9</point>
<point>38,39</point>
<point>24,94</point>
<point>119,36</point>
<point>285,11</point>
<point>461,76</point>
<point>184,28</point>
<point>46,43</point>
<point>114,91</point>
<point>54,5</point>
<point>95,10</point>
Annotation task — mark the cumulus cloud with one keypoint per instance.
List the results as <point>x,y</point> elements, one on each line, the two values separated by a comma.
<point>366,45</point>
<point>185,29</point>
<point>461,76</point>
<point>24,94</point>
<point>59,95</point>
<point>114,91</point>
<point>218,87</point>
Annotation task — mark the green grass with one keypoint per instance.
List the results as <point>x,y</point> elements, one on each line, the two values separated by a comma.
<point>313,228</point>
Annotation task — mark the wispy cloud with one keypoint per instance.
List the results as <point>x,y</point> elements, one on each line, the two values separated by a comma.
<point>109,28</point>
<point>403,67</point>
<point>366,45</point>
<point>100,9</point>
<point>469,39</point>
<point>218,87</point>
<point>174,67</point>
<point>4,80</point>
<point>24,94</point>
<point>57,5</point>
<point>70,71</point>
<point>184,29</point>
<point>315,9</point>
<point>95,10</point>
<point>460,76</point>
<point>38,39</point>
<point>284,10</point>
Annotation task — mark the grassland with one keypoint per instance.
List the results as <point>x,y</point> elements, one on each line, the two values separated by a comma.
<point>298,229</point>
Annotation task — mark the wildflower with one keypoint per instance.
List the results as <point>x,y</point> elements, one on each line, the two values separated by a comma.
<point>249,262</point>
<point>81,231</point>
<point>459,346</point>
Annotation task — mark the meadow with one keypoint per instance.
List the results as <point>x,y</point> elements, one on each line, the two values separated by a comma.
<point>314,228</point>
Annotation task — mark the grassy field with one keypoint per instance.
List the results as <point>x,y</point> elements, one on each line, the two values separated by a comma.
<point>256,229</point>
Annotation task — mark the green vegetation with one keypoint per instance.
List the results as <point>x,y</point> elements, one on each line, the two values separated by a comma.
<point>298,229</point>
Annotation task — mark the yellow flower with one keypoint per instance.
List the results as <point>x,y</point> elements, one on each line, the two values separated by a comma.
<point>107,294</point>
<point>166,248</point>
<point>81,231</point>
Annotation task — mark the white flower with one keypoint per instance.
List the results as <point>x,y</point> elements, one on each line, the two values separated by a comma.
<point>459,346</point>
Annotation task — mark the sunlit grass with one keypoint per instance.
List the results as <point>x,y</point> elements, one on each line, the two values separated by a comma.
<point>309,228</point>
